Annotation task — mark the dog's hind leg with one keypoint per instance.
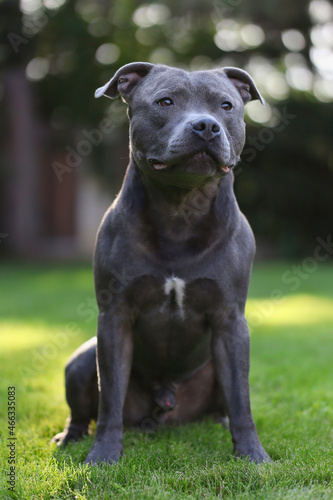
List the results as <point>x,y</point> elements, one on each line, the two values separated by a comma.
<point>218,408</point>
<point>81,392</point>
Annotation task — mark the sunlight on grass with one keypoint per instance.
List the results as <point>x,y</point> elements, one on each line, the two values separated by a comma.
<point>290,310</point>
<point>20,335</point>
<point>17,335</point>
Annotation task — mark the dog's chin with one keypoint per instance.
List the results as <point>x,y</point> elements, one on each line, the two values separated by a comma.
<point>200,163</point>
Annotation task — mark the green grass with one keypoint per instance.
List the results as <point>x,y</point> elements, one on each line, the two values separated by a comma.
<point>291,390</point>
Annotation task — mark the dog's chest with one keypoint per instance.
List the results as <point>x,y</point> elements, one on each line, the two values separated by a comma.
<point>172,333</point>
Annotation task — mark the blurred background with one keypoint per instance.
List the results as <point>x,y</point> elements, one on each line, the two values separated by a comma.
<point>64,154</point>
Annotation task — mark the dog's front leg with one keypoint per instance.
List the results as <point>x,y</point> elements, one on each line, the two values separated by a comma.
<point>231,354</point>
<point>114,360</point>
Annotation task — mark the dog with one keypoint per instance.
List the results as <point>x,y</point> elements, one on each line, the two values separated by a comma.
<point>172,266</point>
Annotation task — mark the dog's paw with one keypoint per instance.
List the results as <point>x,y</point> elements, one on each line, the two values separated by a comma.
<point>221,419</point>
<point>100,455</point>
<point>254,453</point>
<point>59,439</point>
<point>71,433</point>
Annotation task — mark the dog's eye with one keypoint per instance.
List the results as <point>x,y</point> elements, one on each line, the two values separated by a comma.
<point>165,102</point>
<point>226,105</point>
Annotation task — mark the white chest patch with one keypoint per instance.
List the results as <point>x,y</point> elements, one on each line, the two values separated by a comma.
<point>178,286</point>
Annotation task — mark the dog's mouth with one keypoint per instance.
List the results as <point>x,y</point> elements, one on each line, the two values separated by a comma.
<point>202,158</point>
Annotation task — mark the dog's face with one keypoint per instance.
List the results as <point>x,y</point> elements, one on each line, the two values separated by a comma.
<point>185,128</point>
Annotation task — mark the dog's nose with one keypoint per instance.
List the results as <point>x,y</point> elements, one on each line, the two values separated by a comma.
<point>206,127</point>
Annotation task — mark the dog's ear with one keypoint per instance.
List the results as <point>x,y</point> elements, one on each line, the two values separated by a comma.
<point>244,84</point>
<point>125,80</point>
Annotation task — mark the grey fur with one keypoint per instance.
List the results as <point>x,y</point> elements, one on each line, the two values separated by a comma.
<point>184,344</point>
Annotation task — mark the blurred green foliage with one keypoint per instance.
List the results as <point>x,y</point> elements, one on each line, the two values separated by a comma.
<point>285,189</point>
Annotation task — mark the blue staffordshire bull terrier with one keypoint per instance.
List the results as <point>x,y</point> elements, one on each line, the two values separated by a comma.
<point>172,266</point>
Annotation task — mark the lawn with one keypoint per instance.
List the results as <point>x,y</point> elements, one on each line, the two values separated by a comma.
<point>46,312</point>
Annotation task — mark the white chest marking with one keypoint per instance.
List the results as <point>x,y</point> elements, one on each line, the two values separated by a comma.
<point>178,285</point>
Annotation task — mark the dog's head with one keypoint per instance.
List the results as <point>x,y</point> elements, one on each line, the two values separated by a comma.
<point>185,127</point>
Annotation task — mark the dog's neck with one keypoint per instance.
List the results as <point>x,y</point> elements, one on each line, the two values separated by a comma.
<point>179,214</point>
<point>178,204</point>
